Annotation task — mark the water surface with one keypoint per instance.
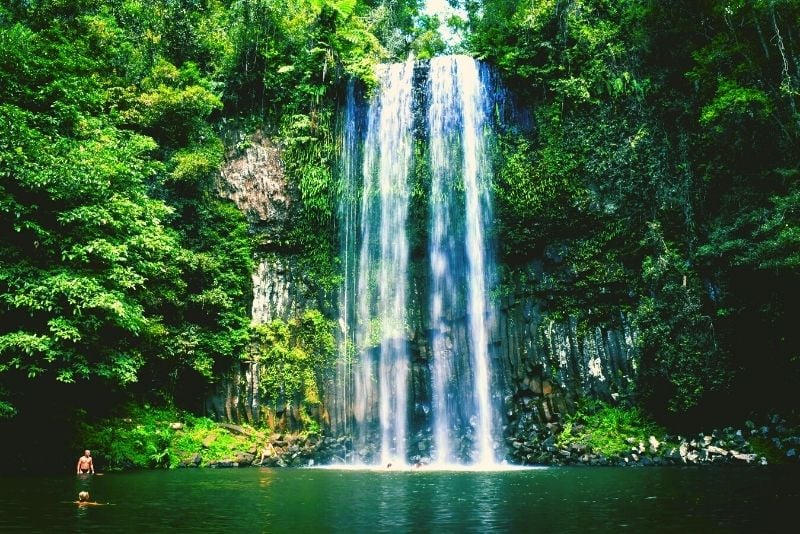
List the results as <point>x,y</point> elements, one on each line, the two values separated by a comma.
<point>327,500</point>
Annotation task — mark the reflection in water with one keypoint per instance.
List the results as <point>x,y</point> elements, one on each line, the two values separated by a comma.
<point>265,477</point>
<point>83,482</point>
<point>327,500</point>
<point>393,502</point>
<point>81,511</point>
<point>486,500</point>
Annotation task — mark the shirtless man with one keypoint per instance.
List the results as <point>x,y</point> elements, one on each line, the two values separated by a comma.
<point>85,464</point>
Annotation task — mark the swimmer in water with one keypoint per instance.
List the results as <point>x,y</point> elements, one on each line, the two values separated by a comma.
<point>83,500</point>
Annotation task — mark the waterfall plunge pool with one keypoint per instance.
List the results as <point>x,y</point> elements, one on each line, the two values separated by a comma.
<point>563,499</point>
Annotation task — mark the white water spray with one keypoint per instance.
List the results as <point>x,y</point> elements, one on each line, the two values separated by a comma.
<point>375,252</point>
<point>460,210</point>
<point>383,259</point>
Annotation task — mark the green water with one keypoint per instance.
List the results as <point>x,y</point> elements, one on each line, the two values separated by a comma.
<point>318,500</point>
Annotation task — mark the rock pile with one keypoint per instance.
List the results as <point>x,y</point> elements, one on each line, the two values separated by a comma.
<point>535,444</point>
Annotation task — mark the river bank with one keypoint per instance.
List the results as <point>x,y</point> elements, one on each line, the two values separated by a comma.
<point>162,438</point>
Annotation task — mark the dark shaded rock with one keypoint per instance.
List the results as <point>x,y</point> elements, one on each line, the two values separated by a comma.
<point>235,429</point>
<point>535,385</point>
<point>244,459</point>
<point>579,448</point>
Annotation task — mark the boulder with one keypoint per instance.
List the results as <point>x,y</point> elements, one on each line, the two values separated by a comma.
<point>526,384</point>
<point>193,461</point>
<point>711,449</point>
<point>235,429</point>
<point>271,462</point>
<point>579,448</point>
<point>244,458</point>
<point>535,385</point>
<point>209,439</point>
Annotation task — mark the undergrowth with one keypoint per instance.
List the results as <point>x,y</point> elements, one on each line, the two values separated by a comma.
<point>609,430</point>
<point>143,437</point>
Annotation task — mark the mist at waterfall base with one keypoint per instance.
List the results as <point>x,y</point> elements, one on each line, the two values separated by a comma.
<point>414,381</point>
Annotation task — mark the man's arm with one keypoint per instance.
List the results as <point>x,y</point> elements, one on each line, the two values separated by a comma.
<point>91,465</point>
<point>78,467</point>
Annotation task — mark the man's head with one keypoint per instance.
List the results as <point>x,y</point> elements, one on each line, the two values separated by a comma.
<point>87,452</point>
<point>83,496</point>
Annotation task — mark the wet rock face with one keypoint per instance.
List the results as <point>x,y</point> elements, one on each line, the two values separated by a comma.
<point>280,290</point>
<point>596,362</point>
<point>541,366</point>
<point>549,361</point>
<point>253,177</point>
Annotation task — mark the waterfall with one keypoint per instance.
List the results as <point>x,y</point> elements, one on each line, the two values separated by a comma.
<point>383,260</point>
<point>348,218</point>
<point>453,410</point>
<point>460,210</point>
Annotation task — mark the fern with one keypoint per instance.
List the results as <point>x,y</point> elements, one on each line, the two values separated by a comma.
<point>343,8</point>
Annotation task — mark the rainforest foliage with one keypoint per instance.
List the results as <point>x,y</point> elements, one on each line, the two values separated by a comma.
<point>658,174</point>
<point>121,265</point>
<point>650,164</point>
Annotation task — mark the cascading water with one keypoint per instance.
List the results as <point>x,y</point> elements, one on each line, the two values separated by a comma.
<point>383,260</point>
<point>348,220</point>
<point>460,210</point>
<point>373,397</point>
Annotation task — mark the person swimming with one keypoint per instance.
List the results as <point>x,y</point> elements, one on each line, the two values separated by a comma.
<point>83,499</point>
